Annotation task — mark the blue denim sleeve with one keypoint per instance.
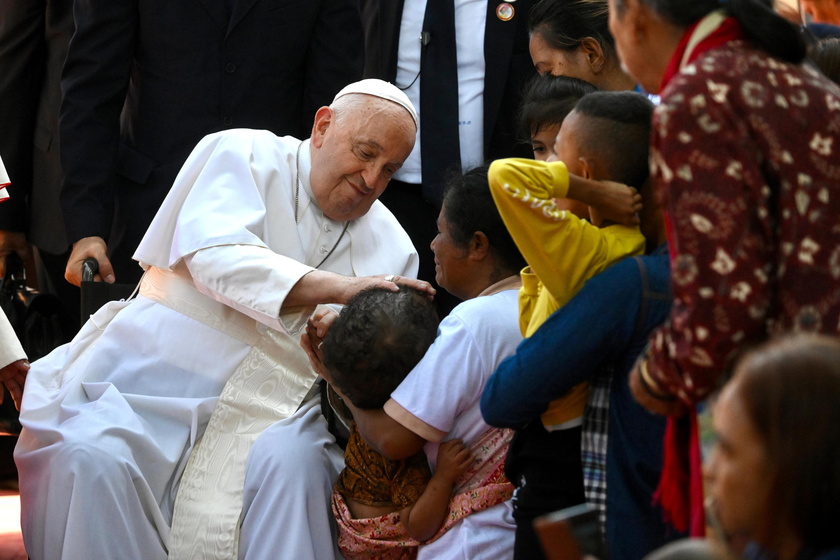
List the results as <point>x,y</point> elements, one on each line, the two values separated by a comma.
<point>567,349</point>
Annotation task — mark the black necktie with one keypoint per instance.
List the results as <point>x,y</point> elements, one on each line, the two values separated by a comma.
<point>439,144</point>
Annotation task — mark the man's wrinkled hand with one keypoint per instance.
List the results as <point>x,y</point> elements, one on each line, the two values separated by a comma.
<point>354,285</point>
<point>89,247</point>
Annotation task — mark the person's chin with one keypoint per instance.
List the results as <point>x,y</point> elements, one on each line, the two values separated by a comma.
<point>347,210</point>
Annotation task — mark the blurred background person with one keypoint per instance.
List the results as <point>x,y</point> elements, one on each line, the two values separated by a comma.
<point>773,477</point>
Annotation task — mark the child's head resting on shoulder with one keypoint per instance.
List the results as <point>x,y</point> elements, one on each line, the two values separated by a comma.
<point>546,102</point>
<point>376,341</point>
<point>607,136</point>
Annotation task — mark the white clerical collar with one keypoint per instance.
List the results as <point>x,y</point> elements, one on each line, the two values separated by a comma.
<point>305,162</point>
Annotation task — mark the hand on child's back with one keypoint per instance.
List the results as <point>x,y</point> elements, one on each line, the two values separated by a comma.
<point>454,458</point>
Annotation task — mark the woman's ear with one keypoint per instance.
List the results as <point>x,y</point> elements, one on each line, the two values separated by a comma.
<point>593,54</point>
<point>323,119</point>
<point>479,246</point>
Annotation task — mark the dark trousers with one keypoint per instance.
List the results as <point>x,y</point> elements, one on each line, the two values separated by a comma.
<point>546,470</point>
<point>67,293</point>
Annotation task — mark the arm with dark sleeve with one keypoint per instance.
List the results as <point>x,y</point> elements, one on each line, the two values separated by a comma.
<point>22,58</point>
<point>566,350</point>
<point>720,247</point>
<point>335,55</point>
<point>94,84</point>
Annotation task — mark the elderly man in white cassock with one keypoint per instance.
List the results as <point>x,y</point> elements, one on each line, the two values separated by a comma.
<point>183,423</point>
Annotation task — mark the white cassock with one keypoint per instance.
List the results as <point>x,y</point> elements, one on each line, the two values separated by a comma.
<point>10,348</point>
<point>155,405</point>
<point>4,182</point>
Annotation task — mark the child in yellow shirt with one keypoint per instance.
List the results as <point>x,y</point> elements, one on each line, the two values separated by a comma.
<point>604,139</point>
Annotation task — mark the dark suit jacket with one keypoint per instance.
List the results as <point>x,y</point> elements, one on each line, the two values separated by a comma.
<point>33,44</point>
<point>508,66</point>
<point>145,80</point>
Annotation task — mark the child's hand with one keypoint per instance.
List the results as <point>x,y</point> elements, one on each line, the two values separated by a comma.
<point>316,330</point>
<point>454,458</point>
<point>617,203</point>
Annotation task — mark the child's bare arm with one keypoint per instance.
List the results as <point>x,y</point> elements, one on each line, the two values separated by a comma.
<point>427,515</point>
<point>612,201</point>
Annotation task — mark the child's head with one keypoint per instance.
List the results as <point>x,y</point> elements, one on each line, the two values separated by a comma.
<point>378,338</point>
<point>547,101</point>
<point>607,136</point>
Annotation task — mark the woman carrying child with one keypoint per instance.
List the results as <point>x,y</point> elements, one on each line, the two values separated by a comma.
<point>476,260</point>
<point>384,508</point>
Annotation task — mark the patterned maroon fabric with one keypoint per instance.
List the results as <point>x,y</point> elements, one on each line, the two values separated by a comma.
<point>746,158</point>
<point>371,479</point>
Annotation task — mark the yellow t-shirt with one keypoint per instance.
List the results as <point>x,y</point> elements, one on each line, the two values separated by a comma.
<point>562,251</point>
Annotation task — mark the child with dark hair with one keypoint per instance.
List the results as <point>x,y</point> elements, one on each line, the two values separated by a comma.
<point>547,101</point>
<point>375,342</point>
<point>603,139</point>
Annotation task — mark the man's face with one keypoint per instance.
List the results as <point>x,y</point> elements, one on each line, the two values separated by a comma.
<point>354,156</point>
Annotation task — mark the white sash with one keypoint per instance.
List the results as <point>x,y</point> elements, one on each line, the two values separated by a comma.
<point>267,386</point>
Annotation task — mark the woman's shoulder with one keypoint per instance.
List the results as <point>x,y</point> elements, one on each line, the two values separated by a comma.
<point>485,318</point>
<point>492,304</point>
<point>738,66</point>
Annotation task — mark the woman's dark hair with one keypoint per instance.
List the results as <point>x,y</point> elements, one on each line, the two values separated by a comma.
<point>468,207</point>
<point>565,23</point>
<point>768,30</point>
<point>376,341</point>
<point>791,390</point>
<point>547,101</point>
